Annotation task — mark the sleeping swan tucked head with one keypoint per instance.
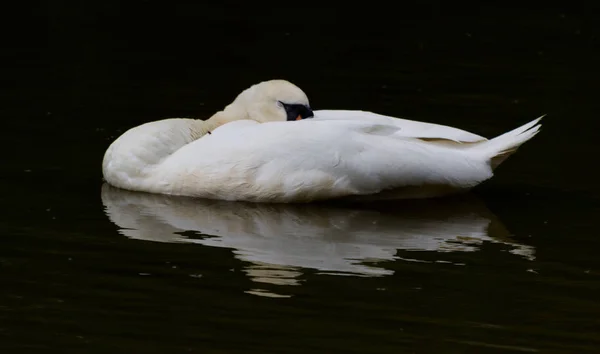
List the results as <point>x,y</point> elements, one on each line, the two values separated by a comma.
<point>268,101</point>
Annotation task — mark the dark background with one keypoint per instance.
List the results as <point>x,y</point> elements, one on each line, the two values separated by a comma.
<point>79,74</point>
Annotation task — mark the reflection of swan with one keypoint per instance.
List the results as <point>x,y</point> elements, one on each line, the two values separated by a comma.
<point>278,239</point>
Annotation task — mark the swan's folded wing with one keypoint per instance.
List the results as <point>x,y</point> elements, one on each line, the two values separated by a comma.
<point>408,128</point>
<point>313,159</point>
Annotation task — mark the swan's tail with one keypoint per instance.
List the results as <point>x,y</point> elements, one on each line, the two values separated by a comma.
<point>501,147</point>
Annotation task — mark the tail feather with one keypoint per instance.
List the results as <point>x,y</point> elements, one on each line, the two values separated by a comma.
<point>501,147</point>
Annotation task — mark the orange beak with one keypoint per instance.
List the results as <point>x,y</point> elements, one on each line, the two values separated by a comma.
<point>299,117</point>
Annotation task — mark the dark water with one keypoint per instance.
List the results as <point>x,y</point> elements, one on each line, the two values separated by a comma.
<point>86,268</point>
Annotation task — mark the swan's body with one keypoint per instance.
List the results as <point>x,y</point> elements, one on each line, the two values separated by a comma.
<point>336,154</point>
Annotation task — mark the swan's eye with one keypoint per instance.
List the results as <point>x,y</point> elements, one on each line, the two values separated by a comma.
<point>296,111</point>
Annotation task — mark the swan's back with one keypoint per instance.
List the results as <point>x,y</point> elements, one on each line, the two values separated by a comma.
<point>409,127</point>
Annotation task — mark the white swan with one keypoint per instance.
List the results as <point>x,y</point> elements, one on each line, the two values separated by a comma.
<point>260,149</point>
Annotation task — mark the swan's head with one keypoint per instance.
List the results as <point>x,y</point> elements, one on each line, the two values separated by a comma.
<point>274,100</point>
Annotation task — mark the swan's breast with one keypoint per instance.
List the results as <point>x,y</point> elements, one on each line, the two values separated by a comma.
<point>131,160</point>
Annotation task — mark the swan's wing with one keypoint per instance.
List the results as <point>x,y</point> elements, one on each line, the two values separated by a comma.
<point>408,128</point>
<point>315,159</point>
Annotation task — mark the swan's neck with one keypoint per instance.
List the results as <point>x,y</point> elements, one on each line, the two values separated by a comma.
<point>218,119</point>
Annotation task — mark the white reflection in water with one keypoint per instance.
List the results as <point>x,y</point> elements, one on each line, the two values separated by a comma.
<point>279,240</point>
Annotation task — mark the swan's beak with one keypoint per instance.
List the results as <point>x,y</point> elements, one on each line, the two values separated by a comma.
<point>309,114</point>
<point>304,113</point>
<point>297,111</point>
